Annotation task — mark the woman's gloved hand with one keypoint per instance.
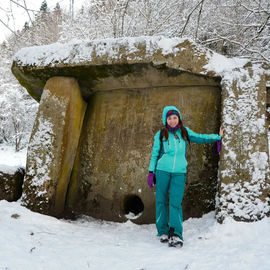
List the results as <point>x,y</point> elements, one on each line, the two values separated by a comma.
<point>151,179</point>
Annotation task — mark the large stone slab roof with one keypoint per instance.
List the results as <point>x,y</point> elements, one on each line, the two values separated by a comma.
<point>90,60</point>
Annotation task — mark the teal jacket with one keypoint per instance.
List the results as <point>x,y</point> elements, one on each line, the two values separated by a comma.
<point>173,155</point>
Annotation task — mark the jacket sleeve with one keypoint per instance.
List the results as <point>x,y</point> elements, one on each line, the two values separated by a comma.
<point>155,152</point>
<point>202,138</point>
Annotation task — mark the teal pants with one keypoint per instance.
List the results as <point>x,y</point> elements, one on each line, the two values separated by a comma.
<point>174,185</point>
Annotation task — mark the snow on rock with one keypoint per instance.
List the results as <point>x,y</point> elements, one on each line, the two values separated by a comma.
<point>8,169</point>
<point>38,171</point>
<point>52,146</point>
<point>12,165</point>
<point>243,194</point>
<point>84,51</point>
<point>77,51</point>
<point>244,166</point>
<point>44,140</point>
<point>10,159</point>
<point>40,149</point>
<point>41,140</point>
<point>220,64</point>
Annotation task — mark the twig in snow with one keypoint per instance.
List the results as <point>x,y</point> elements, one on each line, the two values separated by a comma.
<point>31,250</point>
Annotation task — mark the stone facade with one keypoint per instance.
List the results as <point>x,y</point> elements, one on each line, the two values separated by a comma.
<point>126,83</point>
<point>117,138</point>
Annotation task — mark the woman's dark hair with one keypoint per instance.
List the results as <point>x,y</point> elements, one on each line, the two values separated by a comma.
<point>184,133</point>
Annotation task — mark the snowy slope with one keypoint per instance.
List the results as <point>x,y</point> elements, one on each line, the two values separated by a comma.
<point>35,241</point>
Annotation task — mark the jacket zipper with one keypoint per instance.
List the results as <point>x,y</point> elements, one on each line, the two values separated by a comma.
<point>174,153</point>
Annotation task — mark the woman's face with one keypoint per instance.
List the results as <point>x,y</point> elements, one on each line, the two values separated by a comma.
<point>172,120</point>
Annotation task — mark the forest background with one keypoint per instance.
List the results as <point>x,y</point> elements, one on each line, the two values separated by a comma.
<point>235,28</point>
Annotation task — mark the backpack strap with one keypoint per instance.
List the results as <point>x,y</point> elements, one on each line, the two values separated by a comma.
<point>161,145</point>
<point>160,136</point>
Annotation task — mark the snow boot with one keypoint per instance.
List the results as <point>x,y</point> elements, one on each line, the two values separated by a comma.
<point>164,238</point>
<point>174,239</point>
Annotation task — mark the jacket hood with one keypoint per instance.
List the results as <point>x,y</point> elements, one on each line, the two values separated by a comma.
<point>165,110</point>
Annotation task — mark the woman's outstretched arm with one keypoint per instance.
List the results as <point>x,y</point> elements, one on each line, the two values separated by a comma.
<point>202,138</point>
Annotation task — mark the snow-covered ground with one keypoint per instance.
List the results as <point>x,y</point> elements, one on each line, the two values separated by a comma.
<point>33,241</point>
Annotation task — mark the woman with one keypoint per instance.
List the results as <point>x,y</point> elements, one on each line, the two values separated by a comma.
<point>168,166</point>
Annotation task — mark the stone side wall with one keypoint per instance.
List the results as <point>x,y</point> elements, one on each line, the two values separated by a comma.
<point>244,167</point>
<point>53,145</point>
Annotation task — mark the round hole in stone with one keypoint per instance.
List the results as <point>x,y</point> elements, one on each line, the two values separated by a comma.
<point>133,206</point>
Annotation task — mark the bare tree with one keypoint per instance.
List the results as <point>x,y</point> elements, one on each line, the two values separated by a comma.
<point>18,109</point>
<point>9,13</point>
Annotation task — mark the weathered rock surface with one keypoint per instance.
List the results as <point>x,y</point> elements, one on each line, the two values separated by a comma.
<point>109,176</point>
<point>11,182</point>
<point>244,171</point>
<point>126,83</point>
<point>91,61</point>
<point>53,146</point>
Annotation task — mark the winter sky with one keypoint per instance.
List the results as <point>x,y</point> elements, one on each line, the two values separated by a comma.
<point>20,15</point>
